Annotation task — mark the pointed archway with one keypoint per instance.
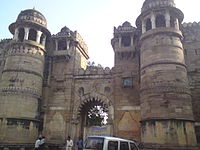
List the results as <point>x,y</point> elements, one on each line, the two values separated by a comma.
<point>90,101</point>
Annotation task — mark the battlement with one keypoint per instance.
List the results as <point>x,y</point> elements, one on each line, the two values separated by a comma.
<point>191,31</point>
<point>191,24</point>
<point>95,71</point>
<point>4,42</point>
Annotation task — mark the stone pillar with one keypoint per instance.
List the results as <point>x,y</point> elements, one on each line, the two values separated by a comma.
<point>177,24</point>
<point>39,33</point>
<point>131,40</point>
<point>68,42</point>
<point>26,33</point>
<point>56,42</point>
<point>44,41</point>
<point>153,21</point>
<point>120,42</point>
<point>167,18</point>
<point>15,37</point>
<point>143,26</point>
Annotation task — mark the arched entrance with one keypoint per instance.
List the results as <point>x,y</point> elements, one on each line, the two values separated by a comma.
<point>94,116</point>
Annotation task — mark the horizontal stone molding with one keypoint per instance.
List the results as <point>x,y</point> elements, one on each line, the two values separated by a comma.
<point>20,91</point>
<point>165,89</point>
<point>95,71</point>
<point>25,71</point>
<point>128,108</point>
<point>163,31</point>
<point>57,108</point>
<point>38,57</point>
<point>166,119</point>
<point>163,63</point>
<point>21,118</point>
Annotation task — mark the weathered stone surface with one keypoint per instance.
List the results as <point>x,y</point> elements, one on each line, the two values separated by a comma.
<point>151,94</point>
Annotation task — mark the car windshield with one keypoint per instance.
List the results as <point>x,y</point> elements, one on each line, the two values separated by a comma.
<point>94,143</point>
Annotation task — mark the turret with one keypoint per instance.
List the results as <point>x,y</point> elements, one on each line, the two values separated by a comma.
<point>166,110</point>
<point>22,78</point>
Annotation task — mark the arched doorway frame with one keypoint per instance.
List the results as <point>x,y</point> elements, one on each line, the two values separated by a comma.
<point>88,98</point>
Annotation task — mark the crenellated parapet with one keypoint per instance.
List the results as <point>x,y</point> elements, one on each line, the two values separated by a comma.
<point>191,31</point>
<point>95,71</point>
<point>191,24</point>
<point>4,43</point>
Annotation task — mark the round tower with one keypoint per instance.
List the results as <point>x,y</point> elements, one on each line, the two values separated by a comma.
<point>166,109</point>
<point>22,78</point>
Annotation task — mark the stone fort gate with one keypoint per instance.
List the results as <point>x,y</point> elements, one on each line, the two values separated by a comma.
<point>46,87</point>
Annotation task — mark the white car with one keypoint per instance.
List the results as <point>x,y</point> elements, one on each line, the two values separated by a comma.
<point>109,143</point>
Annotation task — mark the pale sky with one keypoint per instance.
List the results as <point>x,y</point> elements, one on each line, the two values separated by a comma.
<point>93,19</point>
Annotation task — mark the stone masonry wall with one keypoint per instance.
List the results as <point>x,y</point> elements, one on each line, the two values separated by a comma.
<point>191,32</point>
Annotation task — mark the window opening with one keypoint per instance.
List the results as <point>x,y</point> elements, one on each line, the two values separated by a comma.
<point>62,45</point>
<point>126,41</point>
<point>21,34</point>
<point>42,38</point>
<point>172,21</point>
<point>124,146</point>
<point>148,24</point>
<point>32,35</point>
<point>112,145</point>
<point>133,147</point>
<point>160,21</point>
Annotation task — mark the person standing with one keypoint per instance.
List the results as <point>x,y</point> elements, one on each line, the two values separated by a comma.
<point>69,143</point>
<point>42,143</point>
<point>37,143</point>
<point>79,144</point>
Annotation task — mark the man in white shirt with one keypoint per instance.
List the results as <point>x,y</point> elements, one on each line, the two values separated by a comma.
<point>69,143</point>
<point>37,144</point>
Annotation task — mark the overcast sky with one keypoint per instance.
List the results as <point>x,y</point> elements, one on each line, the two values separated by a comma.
<point>93,19</point>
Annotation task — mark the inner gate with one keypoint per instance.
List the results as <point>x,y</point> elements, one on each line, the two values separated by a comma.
<point>95,117</point>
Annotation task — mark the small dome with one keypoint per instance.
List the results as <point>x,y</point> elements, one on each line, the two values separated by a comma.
<point>150,4</point>
<point>32,15</point>
<point>65,29</point>
<point>126,24</point>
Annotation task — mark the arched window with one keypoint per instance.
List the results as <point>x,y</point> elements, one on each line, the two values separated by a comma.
<point>172,21</point>
<point>160,21</point>
<point>21,34</point>
<point>62,44</point>
<point>148,24</point>
<point>32,35</point>
<point>126,41</point>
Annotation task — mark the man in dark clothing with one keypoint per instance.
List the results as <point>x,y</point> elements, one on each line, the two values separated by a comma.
<point>79,144</point>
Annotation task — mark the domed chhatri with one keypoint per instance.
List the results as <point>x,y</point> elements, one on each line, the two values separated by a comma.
<point>31,17</point>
